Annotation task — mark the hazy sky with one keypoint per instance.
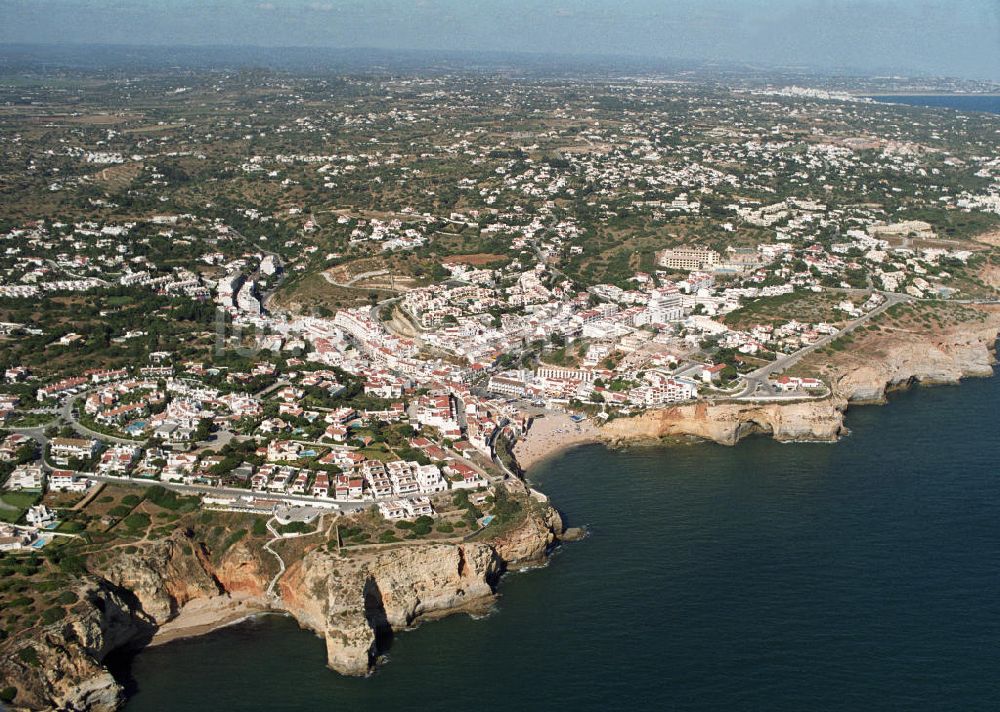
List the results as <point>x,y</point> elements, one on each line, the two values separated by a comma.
<point>953,37</point>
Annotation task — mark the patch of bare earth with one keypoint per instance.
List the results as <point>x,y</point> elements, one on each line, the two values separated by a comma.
<point>991,238</point>
<point>991,275</point>
<point>477,259</point>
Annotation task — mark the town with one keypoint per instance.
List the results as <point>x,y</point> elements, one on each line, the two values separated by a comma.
<point>321,347</point>
<point>302,332</point>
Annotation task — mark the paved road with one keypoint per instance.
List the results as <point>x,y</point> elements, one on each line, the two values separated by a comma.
<point>496,458</point>
<point>74,275</point>
<point>544,260</point>
<point>265,296</point>
<point>70,417</point>
<point>373,312</point>
<point>280,383</point>
<point>37,434</point>
<point>342,505</point>
<point>962,301</point>
<point>759,378</point>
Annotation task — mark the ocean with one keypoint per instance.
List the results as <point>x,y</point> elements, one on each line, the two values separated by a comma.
<point>852,576</point>
<point>986,104</point>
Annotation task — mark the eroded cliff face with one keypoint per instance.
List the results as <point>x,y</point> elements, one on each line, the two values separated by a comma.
<point>355,602</point>
<point>122,605</point>
<point>352,602</point>
<point>164,576</point>
<point>728,422</point>
<point>864,375</point>
<point>64,669</point>
<point>528,544</point>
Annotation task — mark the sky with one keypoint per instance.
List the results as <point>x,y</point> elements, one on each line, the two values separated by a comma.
<point>958,38</point>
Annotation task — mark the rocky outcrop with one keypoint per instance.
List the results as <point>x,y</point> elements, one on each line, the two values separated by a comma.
<point>123,604</point>
<point>354,602</point>
<point>863,374</point>
<point>164,575</point>
<point>529,543</point>
<point>867,374</point>
<point>239,572</point>
<point>728,422</point>
<point>60,667</point>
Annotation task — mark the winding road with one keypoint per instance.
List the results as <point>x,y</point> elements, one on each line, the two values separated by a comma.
<point>281,562</point>
<point>355,279</point>
<point>758,379</point>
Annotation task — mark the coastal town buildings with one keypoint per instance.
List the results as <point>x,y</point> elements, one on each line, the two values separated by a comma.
<point>336,345</point>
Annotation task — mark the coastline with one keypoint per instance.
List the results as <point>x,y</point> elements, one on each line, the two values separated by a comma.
<point>550,435</point>
<point>973,355</point>
<point>167,592</point>
<point>451,578</point>
<point>944,94</point>
<point>940,359</point>
<point>178,594</point>
<point>205,615</point>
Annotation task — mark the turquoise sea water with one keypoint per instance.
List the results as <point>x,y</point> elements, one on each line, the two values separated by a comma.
<point>857,576</point>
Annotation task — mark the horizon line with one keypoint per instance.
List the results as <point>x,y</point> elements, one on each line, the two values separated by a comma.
<point>751,65</point>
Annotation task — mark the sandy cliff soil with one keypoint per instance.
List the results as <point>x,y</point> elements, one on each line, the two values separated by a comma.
<point>877,362</point>
<point>991,238</point>
<point>901,352</point>
<point>174,587</point>
<point>729,422</point>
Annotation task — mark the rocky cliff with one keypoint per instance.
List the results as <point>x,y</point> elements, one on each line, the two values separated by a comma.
<point>123,602</point>
<point>528,544</point>
<point>728,422</point>
<point>863,374</point>
<point>163,576</point>
<point>60,667</point>
<point>355,602</point>
<point>166,575</point>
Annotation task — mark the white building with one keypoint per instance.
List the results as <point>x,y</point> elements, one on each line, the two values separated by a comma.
<point>62,450</point>
<point>40,515</point>
<point>66,481</point>
<point>29,477</point>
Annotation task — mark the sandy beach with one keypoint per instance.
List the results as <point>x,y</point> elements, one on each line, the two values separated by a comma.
<point>552,434</point>
<point>205,615</point>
